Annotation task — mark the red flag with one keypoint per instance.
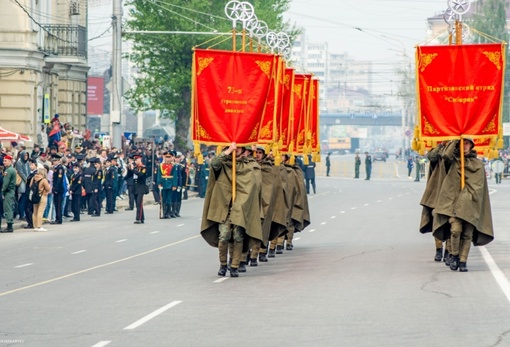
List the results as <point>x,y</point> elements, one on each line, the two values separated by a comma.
<point>460,90</point>
<point>230,90</point>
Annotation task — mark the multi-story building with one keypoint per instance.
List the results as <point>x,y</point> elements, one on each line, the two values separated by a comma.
<point>345,83</point>
<point>43,63</point>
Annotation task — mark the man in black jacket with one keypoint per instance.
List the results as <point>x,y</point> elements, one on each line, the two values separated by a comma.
<point>88,172</point>
<point>59,173</point>
<point>140,187</point>
<point>75,188</point>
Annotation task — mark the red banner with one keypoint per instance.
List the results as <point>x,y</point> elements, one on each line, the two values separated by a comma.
<point>313,122</point>
<point>287,111</point>
<point>230,90</point>
<point>268,131</point>
<point>302,84</point>
<point>95,96</point>
<point>460,90</point>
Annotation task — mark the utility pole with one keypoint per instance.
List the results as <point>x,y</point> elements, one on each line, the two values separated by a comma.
<point>117,119</point>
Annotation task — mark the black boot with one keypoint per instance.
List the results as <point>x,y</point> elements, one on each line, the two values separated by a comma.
<point>289,246</point>
<point>462,266</point>
<point>439,254</point>
<point>253,262</point>
<point>234,272</point>
<point>446,255</point>
<point>223,270</point>
<point>263,258</point>
<point>271,253</point>
<point>454,263</point>
<point>171,212</point>
<point>279,249</point>
<point>9,228</point>
<point>177,208</point>
<point>242,267</point>
<point>448,259</point>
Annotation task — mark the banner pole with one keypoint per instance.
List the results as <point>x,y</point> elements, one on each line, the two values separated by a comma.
<point>234,169</point>
<point>458,41</point>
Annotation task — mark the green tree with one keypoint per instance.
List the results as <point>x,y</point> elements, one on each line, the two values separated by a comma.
<point>164,61</point>
<point>488,17</point>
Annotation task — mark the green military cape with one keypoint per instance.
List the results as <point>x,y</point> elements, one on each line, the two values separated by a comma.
<point>437,173</point>
<point>271,202</point>
<point>472,204</point>
<point>300,212</point>
<point>245,210</point>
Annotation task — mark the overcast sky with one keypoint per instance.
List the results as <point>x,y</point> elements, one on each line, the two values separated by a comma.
<point>385,26</point>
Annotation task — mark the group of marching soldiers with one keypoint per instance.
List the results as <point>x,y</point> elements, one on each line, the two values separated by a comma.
<point>251,211</point>
<point>456,215</point>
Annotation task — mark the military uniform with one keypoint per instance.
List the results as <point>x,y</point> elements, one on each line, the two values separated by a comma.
<point>110,181</point>
<point>368,166</point>
<point>463,215</point>
<point>140,189</point>
<point>97,188</point>
<point>8,191</point>
<point>58,190</point>
<point>75,189</point>
<point>167,180</point>
<point>203,177</point>
<point>224,218</point>
<point>357,164</point>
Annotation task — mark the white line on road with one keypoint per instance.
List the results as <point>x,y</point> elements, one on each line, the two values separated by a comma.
<point>102,343</point>
<point>342,211</point>
<point>78,252</point>
<point>121,240</point>
<point>180,225</point>
<point>24,265</point>
<point>496,272</point>
<point>367,204</point>
<point>151,315</point>
<point>353,208</point>
<point>333,217</point>
<point>221,280</point>
<point>311,230</point>
<point>323,223</point>
<point>297,238</point>
<point>155,232</point>
<point>98,266</point>
<point>378,200</point>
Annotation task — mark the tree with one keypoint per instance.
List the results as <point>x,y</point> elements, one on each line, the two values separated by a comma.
<point>488,17</point>
<point>164,61</point>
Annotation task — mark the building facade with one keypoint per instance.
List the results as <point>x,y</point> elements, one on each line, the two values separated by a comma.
<point>43,64</point>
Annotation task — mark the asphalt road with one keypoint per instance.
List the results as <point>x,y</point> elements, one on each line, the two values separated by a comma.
<point>360,275</point>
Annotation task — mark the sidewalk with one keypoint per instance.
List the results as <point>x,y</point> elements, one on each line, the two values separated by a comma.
<point>121,205</point>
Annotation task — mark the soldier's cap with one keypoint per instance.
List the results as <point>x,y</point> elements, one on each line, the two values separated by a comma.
<point>108,160</point>
<point>261,148</point>
<point>168,154</point>
<point>76,165</point>
<point>80,157</point>
<point>248,148</point>
<point>93,160</point>
<point>470,140</point>
<point>136,156</point>
<point>56,156</point>
<point>77,147</point>
<point>44,155</point>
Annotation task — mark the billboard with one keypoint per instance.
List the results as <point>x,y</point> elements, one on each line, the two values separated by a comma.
<point>95,96</point>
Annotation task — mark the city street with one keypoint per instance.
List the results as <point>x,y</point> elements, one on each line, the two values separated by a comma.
<point>360,275</point>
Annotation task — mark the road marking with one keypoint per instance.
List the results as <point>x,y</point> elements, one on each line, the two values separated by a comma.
<point>155,232</point>
<point>342,211</point>
<point>24,265</point>
<point>353,208</point>
<point>102,343</point>
<point>367,204</point>
<point>390,198</point>
<point>221,280</point>
<point>152,315</point>
<point>333,217</point>
<point>180,225</point>
<point>78,252</point>
<point>499,276</point>
<point>297,238</point>
<point>323,223</point>
<point>378,200</point>
<point>311,230</point>
<point>121,240</point>
<point>99,266</point>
